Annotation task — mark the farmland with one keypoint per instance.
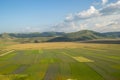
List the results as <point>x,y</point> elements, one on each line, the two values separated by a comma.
<point>60,61</point>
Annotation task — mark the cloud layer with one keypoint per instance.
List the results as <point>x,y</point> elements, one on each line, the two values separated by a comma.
<point>92,12</point>
<point>104,19</point>
<point>104,2</point>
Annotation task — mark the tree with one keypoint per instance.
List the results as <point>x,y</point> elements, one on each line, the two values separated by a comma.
<point>36,41</point>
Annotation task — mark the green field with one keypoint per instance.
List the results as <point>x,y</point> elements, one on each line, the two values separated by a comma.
<point>85,63</point>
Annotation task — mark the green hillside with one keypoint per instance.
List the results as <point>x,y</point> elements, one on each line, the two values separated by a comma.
<point>83,35</point>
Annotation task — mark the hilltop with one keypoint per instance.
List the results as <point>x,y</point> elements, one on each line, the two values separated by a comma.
<point>83,35</point>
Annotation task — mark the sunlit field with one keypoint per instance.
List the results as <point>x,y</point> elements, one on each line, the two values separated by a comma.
<point>59,39</point>
<point>60,61</point>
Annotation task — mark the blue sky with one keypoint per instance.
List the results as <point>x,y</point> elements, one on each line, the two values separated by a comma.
<point>58,15</point>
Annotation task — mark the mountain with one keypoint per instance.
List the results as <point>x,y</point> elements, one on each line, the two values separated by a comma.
<point>6,36</point>
<point>80,36</point>
<point>52,34</point>
<point>112,34</point>
<point>31,35</point>
<point>83,35</point>
<point>60,39</point>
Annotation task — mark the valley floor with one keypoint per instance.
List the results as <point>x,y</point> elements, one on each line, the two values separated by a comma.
<point>60,61</point>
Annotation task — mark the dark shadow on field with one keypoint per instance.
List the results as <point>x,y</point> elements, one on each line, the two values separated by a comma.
<point>52,72</point>
<point>20,69</point>
<point>103,41</point>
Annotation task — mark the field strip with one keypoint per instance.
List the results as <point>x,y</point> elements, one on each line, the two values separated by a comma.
<point>40,51</point>
<point>6,53</point>
<point>36,58</point>
<point>71,79</point>
<point>97,49</point>
<point>13,77</point>
<point>52,72</point>
<point>80,58</point>
<point>20,69</point>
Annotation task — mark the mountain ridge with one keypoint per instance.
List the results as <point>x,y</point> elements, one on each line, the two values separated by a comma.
<point>82,35</point>
<point>85,35</point>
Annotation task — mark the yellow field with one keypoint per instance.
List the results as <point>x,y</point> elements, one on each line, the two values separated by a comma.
<point>6,53</point>
<point>82,59</point>
<point>60,61</point>
<point>58,45</point>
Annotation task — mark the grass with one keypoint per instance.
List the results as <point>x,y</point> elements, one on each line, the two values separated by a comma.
<point>60,45</point>
<point>13,77</point>
<point>55,61</point>
<point>6,53</point>
<point>82,59</point>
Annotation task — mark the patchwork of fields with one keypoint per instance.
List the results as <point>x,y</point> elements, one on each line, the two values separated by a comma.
<point>79,63</point>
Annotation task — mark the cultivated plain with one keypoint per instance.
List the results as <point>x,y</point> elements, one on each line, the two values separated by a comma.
<point>60,61</point>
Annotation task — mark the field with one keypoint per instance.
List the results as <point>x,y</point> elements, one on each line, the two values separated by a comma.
<point>60,61</point>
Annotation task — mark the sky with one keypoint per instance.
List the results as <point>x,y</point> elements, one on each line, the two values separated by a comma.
<point>59,15</point>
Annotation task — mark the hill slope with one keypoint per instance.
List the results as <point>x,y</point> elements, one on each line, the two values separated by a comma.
<point>80,36</point>
<point>31,35</point>
<point>112,34</point>
<point>85,35</point>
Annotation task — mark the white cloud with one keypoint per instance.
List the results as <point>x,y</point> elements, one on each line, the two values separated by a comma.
<point>113,8</point>
<point>69,17</point>
<point>104,23</point>
<point>88,13</point>
<point>63,27</point>
<point>92,12</point>
<point>104,2</point>
<point>31,29</point>
<point>104,19</point>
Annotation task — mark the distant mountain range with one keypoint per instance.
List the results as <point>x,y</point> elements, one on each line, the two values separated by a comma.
<point>30,35</point>
<point>85,35</point>
<point>82,35</point>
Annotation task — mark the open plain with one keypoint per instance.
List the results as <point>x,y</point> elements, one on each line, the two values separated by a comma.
<point>60,61</point>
